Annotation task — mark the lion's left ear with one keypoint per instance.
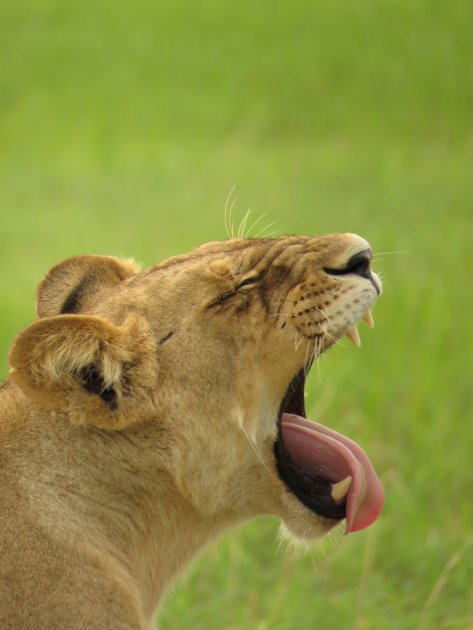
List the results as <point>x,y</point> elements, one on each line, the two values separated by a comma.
<point>96,372</point>
<point>77,284</point>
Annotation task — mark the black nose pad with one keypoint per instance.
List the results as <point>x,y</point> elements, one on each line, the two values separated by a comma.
<point>358,264</point>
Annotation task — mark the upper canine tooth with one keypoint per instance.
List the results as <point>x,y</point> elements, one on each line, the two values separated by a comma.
<point>340,490</point>
<point>354,336</point>
<point>368,319</point>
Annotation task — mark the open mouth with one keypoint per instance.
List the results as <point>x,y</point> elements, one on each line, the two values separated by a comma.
<point>329,473</point>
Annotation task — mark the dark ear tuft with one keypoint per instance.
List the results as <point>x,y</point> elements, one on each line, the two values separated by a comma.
<point>73,300</point>
<point>93,382</point>
<point>79,283</point>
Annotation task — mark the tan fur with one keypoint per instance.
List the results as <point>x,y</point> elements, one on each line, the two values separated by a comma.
<point>140,416</point>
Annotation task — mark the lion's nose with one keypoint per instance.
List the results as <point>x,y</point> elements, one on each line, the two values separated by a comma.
<point>358,264</point>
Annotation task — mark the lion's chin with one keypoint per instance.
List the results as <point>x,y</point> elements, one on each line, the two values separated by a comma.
<point>308,542</point>
<point>301,524</point>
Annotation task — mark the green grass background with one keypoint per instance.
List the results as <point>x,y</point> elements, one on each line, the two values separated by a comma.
<point>123,128</point>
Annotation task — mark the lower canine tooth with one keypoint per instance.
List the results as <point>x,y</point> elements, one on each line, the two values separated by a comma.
<point>340,490</point>
<point>354,336</point>
<point>368,319</point>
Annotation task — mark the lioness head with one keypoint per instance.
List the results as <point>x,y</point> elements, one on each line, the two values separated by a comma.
<point>206,354</point>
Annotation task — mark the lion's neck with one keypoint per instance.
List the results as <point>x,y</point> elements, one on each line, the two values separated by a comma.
<point>111,496</point>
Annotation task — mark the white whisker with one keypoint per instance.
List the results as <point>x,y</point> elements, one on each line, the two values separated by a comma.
<point>272,234</point>
<point>265,228</point>
<point>320,357</point>
<point>321,310</point>
<point>298,345</point>
<point>258,456</point>
<point>241,229</point>
<point>225,216</point>
<point>255,224</point>
<point>388,254</point>
<point>230,223</point>
<point>309,358</point>
<point>327,334</point>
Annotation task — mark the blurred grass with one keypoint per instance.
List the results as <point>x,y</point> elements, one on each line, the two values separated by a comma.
<point>123,129</point>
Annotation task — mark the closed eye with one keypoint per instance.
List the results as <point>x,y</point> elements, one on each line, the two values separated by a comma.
<point>250,280</point>
<point>223,297</point>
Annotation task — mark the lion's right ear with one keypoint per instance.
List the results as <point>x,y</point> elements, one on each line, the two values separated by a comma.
<point>83,365</point>
<point>77,284</point>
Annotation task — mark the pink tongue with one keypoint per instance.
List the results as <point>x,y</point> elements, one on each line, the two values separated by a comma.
<point>320,450</point>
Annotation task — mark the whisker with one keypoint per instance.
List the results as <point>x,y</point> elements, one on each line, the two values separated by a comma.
<point>256,223</point>
<point>305,356</point>
<point>225,216</point>
<point>265,228</point>
<point>270,234</point>
<point>327,334</point>
<point>230,223</point>
<point>300,342</point>
<point>320,358</point>
<point>241,229</point>
<point>388,253</point>
<point>309,358</point>
<point>258,456</point>
<point>321,310</point>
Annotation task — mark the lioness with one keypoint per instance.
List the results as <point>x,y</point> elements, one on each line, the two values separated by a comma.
<point>148,411</point>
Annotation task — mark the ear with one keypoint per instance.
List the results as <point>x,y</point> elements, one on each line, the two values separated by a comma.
<point>96,372</point>
<point>78,283</point>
